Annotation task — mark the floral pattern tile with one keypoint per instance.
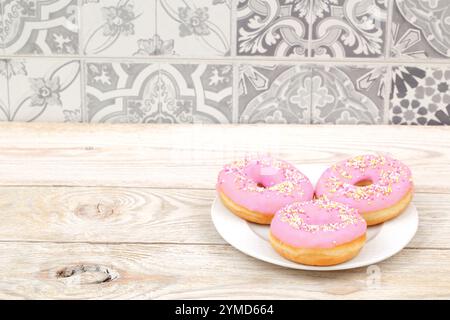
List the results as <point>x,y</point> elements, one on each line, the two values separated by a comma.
<point>274,94</point>
<point>139,90</point>
<point>348,28</point>
<point>40,27</point>
<point>195,93</point>
<point>420,96</point>
<point>43,90</point>
<point>194,27</point>
<point>273,27</point>
<point>421,29</point>
<point>159,93</point>
<point>113,87</point>
<point>120,28</point>
<point>348,94</point>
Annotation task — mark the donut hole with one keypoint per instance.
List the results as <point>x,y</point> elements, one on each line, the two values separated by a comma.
<point>264,177</point>
<point>364,182</point>
<point>261,185</point>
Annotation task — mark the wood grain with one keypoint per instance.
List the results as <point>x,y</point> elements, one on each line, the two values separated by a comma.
<point>134,271</point>
<point>144,215</point>
<point>117,211</point>
<point>190,156</point>
<point>105,214</point>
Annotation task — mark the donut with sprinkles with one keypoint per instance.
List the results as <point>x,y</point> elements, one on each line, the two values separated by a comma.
<point>379,186</point>
<point>254,188</point>
<point>319,232</point>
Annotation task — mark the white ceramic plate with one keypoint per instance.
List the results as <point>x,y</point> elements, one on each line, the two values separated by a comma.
<point>383,241</point>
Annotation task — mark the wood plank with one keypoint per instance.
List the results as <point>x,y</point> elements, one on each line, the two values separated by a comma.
<point>105,214</point>
<point>181,156</point>
<point>71,214</point>
<point>38,270</point>
<point>434,221</point>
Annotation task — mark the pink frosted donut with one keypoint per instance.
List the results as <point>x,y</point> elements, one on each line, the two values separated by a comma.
<point>255,188</point>
<point>318,232</point>
<point>378,186</point>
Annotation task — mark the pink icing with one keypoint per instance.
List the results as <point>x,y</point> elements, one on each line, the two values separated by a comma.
<point>264,184</point>
<point>319,223</point>
<point>391,181</point>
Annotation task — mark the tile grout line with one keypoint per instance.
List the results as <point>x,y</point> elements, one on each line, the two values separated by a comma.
<point>156,17</point>
<point>83,75</point>
<point>388,32</point>
<point>233,28</point>
<point>235,65</point>
<point>310,28</point>
<point>8,85</point>
<point>83,82</point>
<point>241,59</point>
<point>388,75</point>
<point>311,98</point>
<point>310,34</point>
<point>235,93</point>
<point>387,95</point>
<point>80,29</point>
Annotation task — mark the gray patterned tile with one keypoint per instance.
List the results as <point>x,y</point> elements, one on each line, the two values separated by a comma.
<point>193,93</point>
<point>41,27</point>
<point>420,96</point>
<point>194,27</point>
<point>44,90</point>
<point>348,28</point>
<point>421,29</point>
<point>4,100</point>
<point>159,93</point>
<point>272,28</point>
<point>348,94</point>
<point>274,94</point>
<point>114,90</point>
<point>120,28</point>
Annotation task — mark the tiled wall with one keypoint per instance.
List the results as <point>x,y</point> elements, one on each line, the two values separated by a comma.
<point>226,61</point>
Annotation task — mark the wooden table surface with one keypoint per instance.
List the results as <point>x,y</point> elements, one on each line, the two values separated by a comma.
<point>123,211</point>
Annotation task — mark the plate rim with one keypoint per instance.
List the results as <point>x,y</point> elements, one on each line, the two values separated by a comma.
<point>292,265</point>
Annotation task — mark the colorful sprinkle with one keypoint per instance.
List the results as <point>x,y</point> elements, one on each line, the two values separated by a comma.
<point>341,181</point>
<point>292,178</point>
<point>295,215</point>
